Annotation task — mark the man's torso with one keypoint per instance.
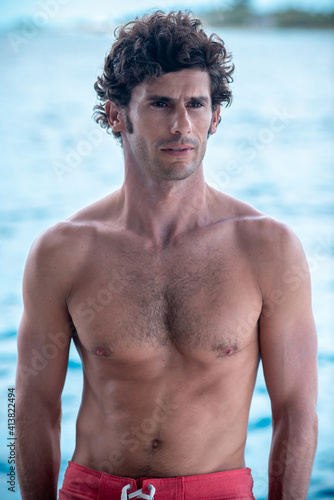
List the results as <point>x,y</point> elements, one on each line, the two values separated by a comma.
<point>169,343</point>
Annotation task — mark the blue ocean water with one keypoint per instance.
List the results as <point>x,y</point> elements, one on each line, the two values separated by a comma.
<point>274,150</point>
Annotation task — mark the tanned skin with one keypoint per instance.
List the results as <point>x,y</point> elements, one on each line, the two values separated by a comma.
<point>174,291</point>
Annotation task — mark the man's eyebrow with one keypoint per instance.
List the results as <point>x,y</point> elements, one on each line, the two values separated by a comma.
<point>160,98</point>
<point>202,99</point>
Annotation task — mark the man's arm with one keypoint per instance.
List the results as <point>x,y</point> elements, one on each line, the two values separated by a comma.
<point>288,346</point>
<point>43,344</point>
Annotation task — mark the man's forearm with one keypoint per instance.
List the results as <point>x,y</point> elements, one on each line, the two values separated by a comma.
<point>38,456</point>
<point>291,457</point>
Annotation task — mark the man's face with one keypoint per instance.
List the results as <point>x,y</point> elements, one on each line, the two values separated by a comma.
<point>166,126</point>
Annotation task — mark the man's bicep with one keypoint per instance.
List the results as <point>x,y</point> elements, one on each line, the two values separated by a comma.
<point>42,358</point>
<point>44,334</point>
<point>288,340</point>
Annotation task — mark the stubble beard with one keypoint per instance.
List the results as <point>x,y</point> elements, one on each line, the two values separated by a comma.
<point>164,170</point>
<point>158,168</point>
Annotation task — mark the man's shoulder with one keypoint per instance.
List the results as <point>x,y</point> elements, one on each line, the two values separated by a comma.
<point>229,209</point>
<point>66,242</point>
<point>271,245</point>
<point>258,231</point>
<point>53,252</point>
<point>99,212</point>
<point>269,238</point>
<point>77,230</point>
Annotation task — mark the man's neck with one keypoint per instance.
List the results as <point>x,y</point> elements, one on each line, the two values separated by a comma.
<point>163,209</point>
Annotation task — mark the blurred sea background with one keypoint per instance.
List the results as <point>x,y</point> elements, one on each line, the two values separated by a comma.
<point>274,149</point>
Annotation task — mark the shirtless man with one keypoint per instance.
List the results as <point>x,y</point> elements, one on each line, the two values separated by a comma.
<point>171,291</point>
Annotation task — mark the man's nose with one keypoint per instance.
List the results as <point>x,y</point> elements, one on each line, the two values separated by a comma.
<point>181,123</point>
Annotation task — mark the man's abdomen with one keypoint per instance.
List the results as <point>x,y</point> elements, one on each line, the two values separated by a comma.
<point>189,419</point>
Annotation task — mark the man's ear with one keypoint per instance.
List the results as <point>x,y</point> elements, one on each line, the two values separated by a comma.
<point>215,120</point>
<point>115,118</point>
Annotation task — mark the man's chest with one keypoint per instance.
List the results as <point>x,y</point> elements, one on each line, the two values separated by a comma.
<point>196,298</point>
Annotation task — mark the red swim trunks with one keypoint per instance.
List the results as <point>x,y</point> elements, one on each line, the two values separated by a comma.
<point>82,483</point>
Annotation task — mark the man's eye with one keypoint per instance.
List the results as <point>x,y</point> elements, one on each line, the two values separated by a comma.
<point>159,104</point>
<point>196,105</point>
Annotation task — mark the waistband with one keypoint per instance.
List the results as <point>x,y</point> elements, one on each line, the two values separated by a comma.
<point>91,484</point>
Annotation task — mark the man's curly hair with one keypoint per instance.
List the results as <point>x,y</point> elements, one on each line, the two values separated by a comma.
<point>157,44</point>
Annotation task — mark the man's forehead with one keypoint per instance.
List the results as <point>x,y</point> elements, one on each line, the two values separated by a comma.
<point>189,82</point>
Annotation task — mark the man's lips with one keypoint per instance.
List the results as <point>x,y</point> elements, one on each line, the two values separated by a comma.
<point>178,151</point>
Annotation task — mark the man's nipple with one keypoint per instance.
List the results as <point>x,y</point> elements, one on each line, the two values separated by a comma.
<point>101,351</point>
<point>227,350</point>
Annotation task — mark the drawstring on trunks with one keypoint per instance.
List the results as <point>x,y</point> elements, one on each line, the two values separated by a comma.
<point>137,494</point>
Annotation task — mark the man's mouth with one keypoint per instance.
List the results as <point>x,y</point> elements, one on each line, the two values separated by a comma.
<point>178,152</point>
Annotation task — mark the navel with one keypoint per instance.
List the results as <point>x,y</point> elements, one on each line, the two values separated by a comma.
<point>155,443</point>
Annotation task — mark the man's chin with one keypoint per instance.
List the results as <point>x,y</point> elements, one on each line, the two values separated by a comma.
<point>177,172</point>
<point>177,176</point>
